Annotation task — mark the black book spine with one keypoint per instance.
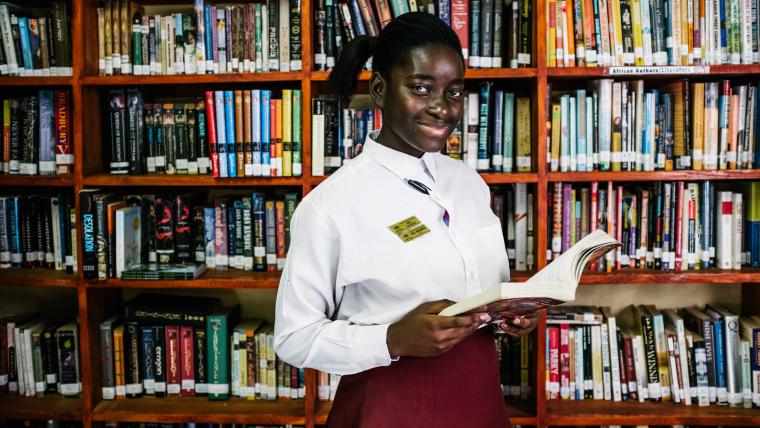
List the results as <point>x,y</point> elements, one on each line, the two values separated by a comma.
<point>199,233</point>
<point>51,46</point>
<point>14,231</point>
<point>148,360</point>
<point>29,256</point>
<point>626,22</point>
<point>69,220</point>
<point>17,41</point>
<point>159,361</point>
<point>320,36</point>
<point>295,35</point>
<point>181,140</point>
<point>523,56</point>
<point>164,230</point>
<point>134,131</point>
<point>149,145</point>
<point>30,136</point>
<point>170,138</point>
<point>332,145</point>
<point>588,387</point>
<point>231,234</point>
<point>133,368</point>
<point>148,229</point>
<point>259,233</point>
<point>101,235</point>
<point>68,360</point>
<point>204,161</point>
<point>50,359</point>
<point>201,376</point>
<point>15,136</point>
<point>192,139</point>
<point>337,28</point>
<point>160,144</point>
<point>330,35</point>
<point>239,237</point>
<point>47,228</point>
<point>273,38</point>
<point>183,236</point>
<point>117,112</point>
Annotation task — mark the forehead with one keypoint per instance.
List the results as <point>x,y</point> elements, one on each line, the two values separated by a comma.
<point>440,62</point>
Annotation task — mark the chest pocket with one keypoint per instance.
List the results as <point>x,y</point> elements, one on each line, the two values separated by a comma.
<point>490,253</point>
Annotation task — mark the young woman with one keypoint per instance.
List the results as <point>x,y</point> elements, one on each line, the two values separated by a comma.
<point>390,240</point>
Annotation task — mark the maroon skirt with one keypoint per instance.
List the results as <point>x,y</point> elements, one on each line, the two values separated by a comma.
<point>458,389</point>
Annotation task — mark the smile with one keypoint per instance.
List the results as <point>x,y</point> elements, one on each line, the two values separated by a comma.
<point>437,129</point>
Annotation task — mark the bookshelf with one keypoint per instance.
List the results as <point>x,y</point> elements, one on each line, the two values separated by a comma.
<point>98,300</point>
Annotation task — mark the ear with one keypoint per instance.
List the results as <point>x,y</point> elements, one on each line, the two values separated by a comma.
<point>377,88</point>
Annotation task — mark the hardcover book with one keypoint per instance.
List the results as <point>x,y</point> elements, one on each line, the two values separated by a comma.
<point>551,286</point>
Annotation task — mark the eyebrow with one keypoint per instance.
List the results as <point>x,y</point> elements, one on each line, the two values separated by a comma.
<point>430,77</point>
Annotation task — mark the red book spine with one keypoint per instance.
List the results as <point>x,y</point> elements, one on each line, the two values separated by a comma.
<point>564,361</point>
<point>63,157</point>
<point>187,358</point>
<point>273,170</point>
<point>630,369</point>
<point>460,24</point>
<point>619,224</point>
<point>679,226</point>
<point>211,130</point>
<point>621,365</point>
<point>553,390</point>
<point>172,360</point>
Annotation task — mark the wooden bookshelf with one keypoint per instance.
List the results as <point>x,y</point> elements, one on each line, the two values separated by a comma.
<point>200,410</point>
<point>8,181</point>
<point>99,299</point>
<point>37,277</point>
<point>716,71</point>
<point>600,412</point>
<point>51,407</point>
<point>212,278</point>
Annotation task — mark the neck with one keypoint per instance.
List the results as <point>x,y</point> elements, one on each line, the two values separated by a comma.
<point>390,140</point>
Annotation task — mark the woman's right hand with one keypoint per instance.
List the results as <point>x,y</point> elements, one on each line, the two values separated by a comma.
<point>423,333</point>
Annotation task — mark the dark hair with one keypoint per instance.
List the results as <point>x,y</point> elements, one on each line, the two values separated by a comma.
<point>392,47</point>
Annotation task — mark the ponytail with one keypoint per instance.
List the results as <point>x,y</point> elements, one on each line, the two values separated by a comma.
<point>342,80</point>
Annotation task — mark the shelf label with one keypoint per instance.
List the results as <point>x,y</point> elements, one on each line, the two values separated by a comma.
<point>671,69</point>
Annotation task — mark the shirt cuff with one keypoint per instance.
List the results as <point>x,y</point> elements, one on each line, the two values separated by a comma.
<point>375,346</point>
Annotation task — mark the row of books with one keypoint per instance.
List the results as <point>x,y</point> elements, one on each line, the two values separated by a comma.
<point>689,356</point>
<point>37,423</point>
<point>651,32</point>
<point>663,225</point>
<point>36,135</point>
<point>123,233</point>
<point>192,346</point>
<point>234,38</point>
<point>38,231</point>
<point>38,357</point>
<point>618,125</point>
<point>492,33</point>
<point>35,41</point>
<point>513,205</point>
<point>239,133</point>
<point>493,136</point>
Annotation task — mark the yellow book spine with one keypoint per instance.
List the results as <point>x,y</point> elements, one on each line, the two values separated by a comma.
<point>638,39</point>
<point>287,132</point>
<point>697,124</point>
<point>118,362</point>
<point>551,24</point>
<point>523,135</point>
<point>618,25</point>
<point>556,137</point>
<point>568,37</point>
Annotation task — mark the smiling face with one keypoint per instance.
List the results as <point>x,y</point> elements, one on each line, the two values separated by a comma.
<point>422,100</point>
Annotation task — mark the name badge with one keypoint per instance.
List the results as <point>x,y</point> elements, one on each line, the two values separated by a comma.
<point>409,229</point>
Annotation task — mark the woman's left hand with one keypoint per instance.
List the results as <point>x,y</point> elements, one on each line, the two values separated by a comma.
<point>520,326</point>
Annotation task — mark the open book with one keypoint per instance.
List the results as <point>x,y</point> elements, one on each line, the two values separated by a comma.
<point>553,285</point>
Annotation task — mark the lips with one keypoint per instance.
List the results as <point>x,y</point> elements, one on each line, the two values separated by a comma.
<point>434,129</point>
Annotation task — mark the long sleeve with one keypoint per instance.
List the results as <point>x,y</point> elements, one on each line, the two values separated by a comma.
<point>305,333</point>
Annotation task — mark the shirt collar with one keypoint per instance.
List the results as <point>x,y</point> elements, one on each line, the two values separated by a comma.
<point>407,166</point>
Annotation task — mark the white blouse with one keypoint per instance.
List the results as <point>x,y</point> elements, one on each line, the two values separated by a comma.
<point>348,276</point>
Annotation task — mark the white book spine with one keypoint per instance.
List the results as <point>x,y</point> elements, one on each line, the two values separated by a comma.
<point>521,226</point>
<point>614,360</point>
<point>738,226</point>
<point>318,145</point>
<point>640,367</point>
<point>606,367</point>
<point>746,375</point>
<point>733,360</point>
<point>284,32</point>
<point>724,227</point>
<point>596,361</point>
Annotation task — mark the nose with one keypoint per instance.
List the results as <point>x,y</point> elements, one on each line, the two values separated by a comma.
<point>438,106</point>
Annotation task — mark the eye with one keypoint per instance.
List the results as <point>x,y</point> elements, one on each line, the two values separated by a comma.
<point>456,93</point>
<point>420,89</point>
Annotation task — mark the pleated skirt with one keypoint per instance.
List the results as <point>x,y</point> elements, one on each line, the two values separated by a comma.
<point>458,389</point>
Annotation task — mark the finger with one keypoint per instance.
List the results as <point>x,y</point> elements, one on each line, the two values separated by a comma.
<point>435,306</point>
<point>507,328</point>
<point>461,321</point>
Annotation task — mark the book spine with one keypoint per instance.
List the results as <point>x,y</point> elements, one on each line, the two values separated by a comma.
<point>159,360</point>
<point>173,360</point>
<point>199,364</point>
<point>148,359</point>
<point>108,390</point>
<point>187,361</point>
<point>217,331</point>
<point>133,360</point>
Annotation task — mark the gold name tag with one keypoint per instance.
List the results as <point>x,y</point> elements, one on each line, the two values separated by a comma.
<point>409,229</point>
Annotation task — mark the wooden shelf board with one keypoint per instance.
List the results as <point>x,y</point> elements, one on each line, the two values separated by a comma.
<point>50,407</point>
<point>469,73</point>
<point>519,412</point>
<point>200,410</point>
<point>595,72</point>
<point>187,180</point>
<point>505,178</point>
<point>602,412</point>
<point>213,278</point>
<point>490,178</point>
<point>37,180</point>
<point>37,277</point>
<point>293,76</point>
<point>651,276</point>
<point>35,81</point>
<point>620,176</point>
